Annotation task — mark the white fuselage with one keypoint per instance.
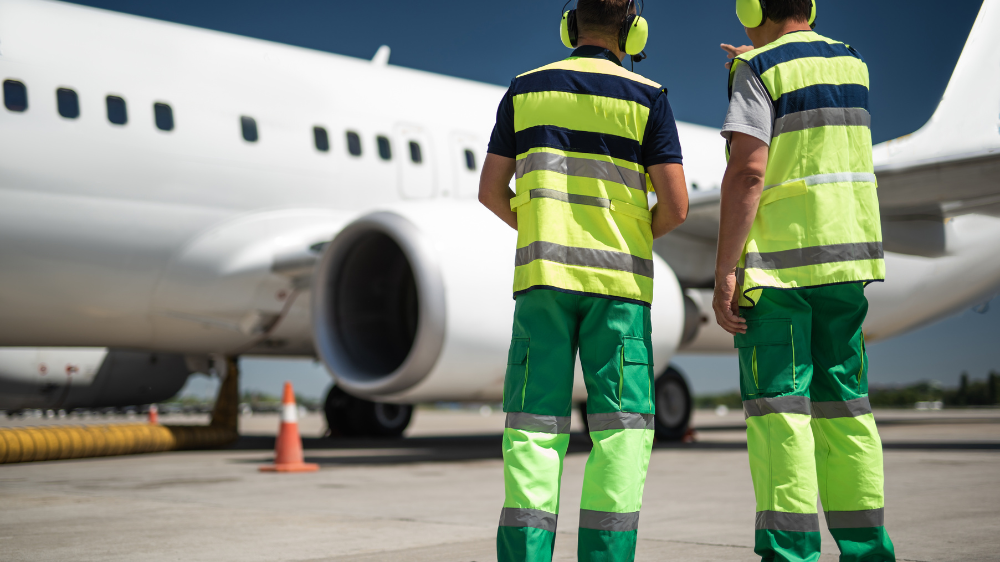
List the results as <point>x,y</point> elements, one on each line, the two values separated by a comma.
<point>127,236</point>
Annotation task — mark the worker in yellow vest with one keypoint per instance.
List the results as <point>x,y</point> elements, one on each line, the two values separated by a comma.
<point>588,142</point>
<point>799,240</point>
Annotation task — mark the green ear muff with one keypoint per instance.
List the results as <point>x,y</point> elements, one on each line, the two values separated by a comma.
<point>636,36</point>
<point>750,12</point>
<point>568,29</point>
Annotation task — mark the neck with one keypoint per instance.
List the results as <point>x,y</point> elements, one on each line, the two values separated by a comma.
<point>771,31</point>
<point>597,42</point>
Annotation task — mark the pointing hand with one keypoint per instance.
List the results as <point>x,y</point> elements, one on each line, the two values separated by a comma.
<point>733,52</point>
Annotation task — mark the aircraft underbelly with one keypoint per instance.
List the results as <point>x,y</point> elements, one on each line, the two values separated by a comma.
<point>80,271</point>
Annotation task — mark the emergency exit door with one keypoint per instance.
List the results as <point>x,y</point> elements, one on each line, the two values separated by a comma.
<point>416,162</point>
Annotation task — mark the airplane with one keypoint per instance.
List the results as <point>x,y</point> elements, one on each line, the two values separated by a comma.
<point>170,196</point>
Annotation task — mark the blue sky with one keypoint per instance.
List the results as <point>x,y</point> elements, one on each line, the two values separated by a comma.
<point>911,48</point>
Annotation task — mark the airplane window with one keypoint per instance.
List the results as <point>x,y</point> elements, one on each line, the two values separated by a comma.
<point>164,116</point>
<point>249,128</point>
<point>68,102</point>
<point>117,113</point>
<point>415,153</point>
<point>470,160</point>
<point>384,148</point>
<point>15,95</point>
<point>353,143</point>
<point>322,139</point>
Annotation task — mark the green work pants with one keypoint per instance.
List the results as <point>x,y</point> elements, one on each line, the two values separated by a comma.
<point>613,339</point>
<point>810,429</point>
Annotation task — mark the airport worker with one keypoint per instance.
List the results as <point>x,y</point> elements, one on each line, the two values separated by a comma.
<point>587,140</point>
<point>799,240</point>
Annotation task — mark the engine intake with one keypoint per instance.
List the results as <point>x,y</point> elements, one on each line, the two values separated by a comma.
<point>379,306</point>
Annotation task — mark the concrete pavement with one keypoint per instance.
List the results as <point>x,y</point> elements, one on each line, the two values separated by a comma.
<point>436,496</point>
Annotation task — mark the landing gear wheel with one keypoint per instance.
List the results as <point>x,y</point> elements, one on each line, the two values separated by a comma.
<point>348,416</point>
<point>583,414</point>
<point>673,406</point>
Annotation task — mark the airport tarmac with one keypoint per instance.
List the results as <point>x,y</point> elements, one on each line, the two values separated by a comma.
<point>436,496</point>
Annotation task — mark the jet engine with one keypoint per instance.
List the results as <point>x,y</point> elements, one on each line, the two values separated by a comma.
<point>68,378</point>
<point>413,304</point>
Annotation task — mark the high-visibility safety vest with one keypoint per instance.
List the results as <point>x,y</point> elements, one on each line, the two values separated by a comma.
<point>818,221</point>
<point>582,212</point>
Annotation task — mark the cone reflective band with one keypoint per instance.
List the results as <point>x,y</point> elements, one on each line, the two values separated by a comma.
<point>288,447</point>
<point>289,413</point>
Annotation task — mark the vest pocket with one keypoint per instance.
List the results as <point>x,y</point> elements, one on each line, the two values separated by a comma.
<point>767,358</point>
<point>783,191</point>
<point>517,375</point>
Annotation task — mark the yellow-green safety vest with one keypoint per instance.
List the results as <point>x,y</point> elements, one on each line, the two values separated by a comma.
<point>582,212</point>
<point>818,221</point>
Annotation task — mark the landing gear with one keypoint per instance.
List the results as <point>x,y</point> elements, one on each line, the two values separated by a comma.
<point>673,406</point>
<point>347,416</point>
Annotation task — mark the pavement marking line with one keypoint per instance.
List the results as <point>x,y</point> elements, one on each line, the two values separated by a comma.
<point>695,543</point>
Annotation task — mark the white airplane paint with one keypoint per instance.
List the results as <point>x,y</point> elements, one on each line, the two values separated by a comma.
<point>195,242</point>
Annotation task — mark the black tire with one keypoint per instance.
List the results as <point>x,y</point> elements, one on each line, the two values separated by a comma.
<point>673,406</point>
<point>583,414</point>
<point>349,416</point>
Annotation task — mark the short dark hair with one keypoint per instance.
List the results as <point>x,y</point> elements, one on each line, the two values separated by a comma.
<point>603,18</point>
<point>782,10</point>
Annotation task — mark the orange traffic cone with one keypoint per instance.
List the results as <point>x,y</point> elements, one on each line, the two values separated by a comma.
<point>154,415</point>
<point>288,448</point>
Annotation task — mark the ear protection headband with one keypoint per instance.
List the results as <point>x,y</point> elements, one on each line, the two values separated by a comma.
<point>753,13</point>
<point>632,36</point>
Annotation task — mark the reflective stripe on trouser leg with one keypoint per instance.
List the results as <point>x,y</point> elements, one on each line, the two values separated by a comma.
<point>850,473</point>
<point>782,465</point>
<point>533,451</point>
<point>612,485</point>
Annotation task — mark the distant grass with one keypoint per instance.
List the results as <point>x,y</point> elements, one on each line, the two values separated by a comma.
<point>968,393</point>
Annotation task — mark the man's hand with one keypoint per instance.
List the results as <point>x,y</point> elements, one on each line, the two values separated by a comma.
<point>494,187</point>
<point>726,305</point>
<point>741,188</point>
<point>733,52</point>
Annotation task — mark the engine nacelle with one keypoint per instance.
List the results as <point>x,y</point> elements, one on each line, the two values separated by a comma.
<point>67,378</point>
<point>414,304</point>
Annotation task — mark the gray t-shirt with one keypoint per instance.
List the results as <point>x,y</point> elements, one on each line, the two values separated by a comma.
<point>751,111</point>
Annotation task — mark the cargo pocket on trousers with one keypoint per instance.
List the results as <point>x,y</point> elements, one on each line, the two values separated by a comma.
<point>517,375</point>
<point>635,389</point>
<point>767,358</point>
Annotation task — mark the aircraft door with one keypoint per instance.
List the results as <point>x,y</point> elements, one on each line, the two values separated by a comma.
<point>466,157</point>
<point>416,162</point>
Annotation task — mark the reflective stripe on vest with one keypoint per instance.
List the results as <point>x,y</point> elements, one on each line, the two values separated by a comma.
<point>818,221</point>
<point>583,215</point>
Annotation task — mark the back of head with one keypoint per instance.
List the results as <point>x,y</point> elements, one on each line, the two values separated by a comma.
<point>601,18</point>
<point>780,11</point>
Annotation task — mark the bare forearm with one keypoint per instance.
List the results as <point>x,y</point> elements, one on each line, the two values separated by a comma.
<point>494,188</point>
<point>740,198</point>
<point>742,186</point>
<point>666,219</point>
<point>672,205</point>
<point>500,205</point>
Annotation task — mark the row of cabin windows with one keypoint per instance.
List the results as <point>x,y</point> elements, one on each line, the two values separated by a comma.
<point>15,96</point>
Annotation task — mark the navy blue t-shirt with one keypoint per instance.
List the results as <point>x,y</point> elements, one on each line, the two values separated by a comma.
<point>660,144</point>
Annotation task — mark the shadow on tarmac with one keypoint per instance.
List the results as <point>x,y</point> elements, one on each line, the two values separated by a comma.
<point>363,451</point>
